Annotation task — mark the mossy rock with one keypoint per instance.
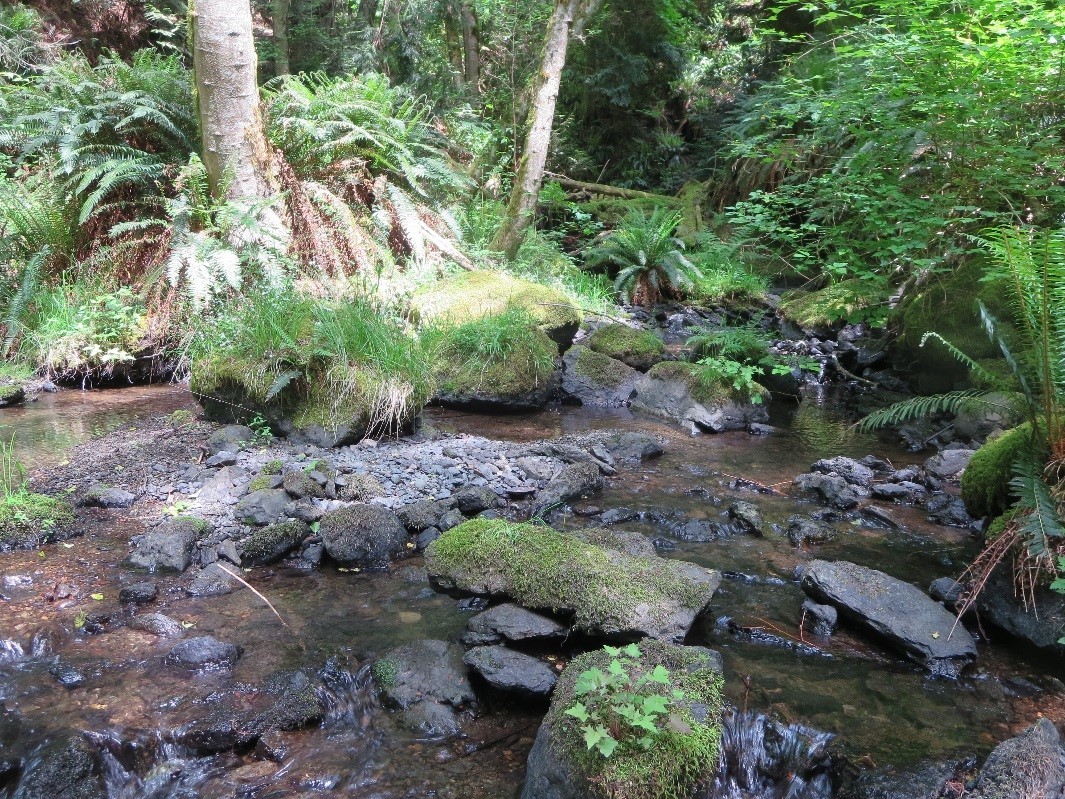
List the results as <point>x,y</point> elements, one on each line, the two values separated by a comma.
<point>269,544</point>
<point>526,379</point>
<point>606,592</point>
<point>12,394</point>
<point>29,520</point>
<point>475,295</point>
<point>597,379</point>
<point>823,309</point>
<point>674,390</point>
<point>640,349</point>
<point>985,483</point>
<point>679,757</point>
<point>264,482</point>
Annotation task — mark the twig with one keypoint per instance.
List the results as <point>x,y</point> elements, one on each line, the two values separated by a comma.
<point>254,590</point>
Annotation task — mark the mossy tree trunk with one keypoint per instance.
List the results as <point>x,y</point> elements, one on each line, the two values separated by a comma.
<point>281,59</point>
<point>471,46</point>
<point>568,19</point>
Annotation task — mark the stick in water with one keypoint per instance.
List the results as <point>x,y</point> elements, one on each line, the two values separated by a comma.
<point>255,591</point>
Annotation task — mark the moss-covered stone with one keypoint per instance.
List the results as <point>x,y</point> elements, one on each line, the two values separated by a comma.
<point>475,295</point>
<point>640,349</point>
<point>12,394</point>
<point>819,310</point>
<point>703,392</point>
<point>273,467</point>
<point>262,482</point>
<point>29,520</point>
<point>678,390</point>
<point>607,592</point>
<point>270,544</point>
<point>683,752</point>
<point>985,483</point>
<point>601,369</point>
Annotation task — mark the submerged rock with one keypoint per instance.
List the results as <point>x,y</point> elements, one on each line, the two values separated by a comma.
<point>157,624</point>
<point>426,680</point>
<point>672,390</point>
<point>898,612</point>
<point>608,592</point>
<point>203,654</point>
<point>366,536</point>
<point>513,623</point>
<point>65,768</point>
<point>575,481</point>
<point>507,670</point>
<point>139,593</point>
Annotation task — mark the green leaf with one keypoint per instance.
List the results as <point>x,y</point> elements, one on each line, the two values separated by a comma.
<point>632,651</point>
<point>579,712</point>
<point>97,597</point>
<point>660,675</point>
<point>655,704</point>
<point>607,745</point>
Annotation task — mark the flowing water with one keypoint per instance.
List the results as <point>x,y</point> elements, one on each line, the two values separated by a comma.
<point>796,696</point>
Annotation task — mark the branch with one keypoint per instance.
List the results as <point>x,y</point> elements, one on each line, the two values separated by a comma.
<point>611,191</point>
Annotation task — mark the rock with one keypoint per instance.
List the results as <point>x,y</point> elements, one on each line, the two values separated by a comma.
<point>949,463</point>
<point>64,768</point>
<point>12,395</point>
<point>832,488</point>
<point>156,624</point>
<point>269,544</point>
<point>227,550</point>
<point>946,590</point>
<point>821,619</point>
<point>609,593</point>
<point>631,543</point>
<point>575,481</point>
<point>169,546</point>
<point>803,531</point>
<point>204,653</point>
<point>699,531</point>
<point>101,496</point>
<point>617,516</point>
<point>223,458</point>
<point>453,518</point>
<point>272,746</point>
<point>748,517</point>
<point>210,581</point>
<point>422,515</point>
<point>262,507</point>
<point>304,510</point>
<point>427,681</point>
<point>231,438</point>
<point>513,623</point>
<point>999,606</point>
<point>898,612</point>
<point>1025,767</point>
<point>922,782</point>
<point>849,469</point>
<point>632,447</point>
<point>637,348</point>
<point>302,484</point>
<point>139,593</point>
<point>895,492</point>
<point>548,775</point>
<point>363,535</point>
<point>507,670</point>
<point>596,380</point>
<point>944,509</point>
<point>361,488</point>
<point>66,674</point>
<point>672,390</point>
<point>997,412</point>
<point>474,499</point>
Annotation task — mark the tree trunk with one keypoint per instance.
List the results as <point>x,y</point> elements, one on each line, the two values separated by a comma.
<point>569,16</point>
<point>280,11</point>
<point>235,151</point>
<point>471,45</point>
<point>368,12</point>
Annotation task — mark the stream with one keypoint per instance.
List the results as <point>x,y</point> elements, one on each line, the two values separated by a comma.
<point>881,710</point>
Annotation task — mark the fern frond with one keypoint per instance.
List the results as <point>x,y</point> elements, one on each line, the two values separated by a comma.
<point>1040,520</point>
<point>920,407</point>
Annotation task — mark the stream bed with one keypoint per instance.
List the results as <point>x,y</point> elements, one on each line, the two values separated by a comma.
<point>883,712</point>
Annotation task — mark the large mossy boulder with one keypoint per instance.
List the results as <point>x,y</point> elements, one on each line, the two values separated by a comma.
<point>679,757</point>
<point>28,520</point>
<point>474,295</point>
<point>985,483</point>
<point>673,390</point>
<point>640,349</point>
<point>605,592</point>
<point>1030,766</point>
<point>364,536</point>
<point>525,378</point>
<point>817,312</point>
<point>596,379</point>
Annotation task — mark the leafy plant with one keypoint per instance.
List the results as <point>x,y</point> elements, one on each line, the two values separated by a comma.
<point>648,257</point>
<point>12,472</point>
<point>624,706</point>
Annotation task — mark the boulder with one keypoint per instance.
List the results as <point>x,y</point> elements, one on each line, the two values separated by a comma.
<point>574,481</point>
<point>204,653</point>
<point>426,680</point>
<point>513,623</point>
<point>230,438</point>
<point>64,768</point>
<point>1000,606</point>
<point>362,535</point>
<point>473,499</point>
<point>422,515</point>
<point>895,611</point>
<point>1030,766</point>
<point>833,489</point>
<point>672,390</point>
<point>608,593</point>
<point>269,544</point>
<point>510,671</point>
<point>631,543</point>
<point>597,380</point>
<point>747,516</point>
<point>169,546</point>
<point>852,471</point>
<point>949,463</point>
<point>12,394</point>
<point>640,349</point>
<point>360,488</point>
<point>803,531</point>
<point>819,619</point>
<point>138,593</point>
<point>262,507</point>
<point>996,413</point>
<point>632,447</point>
<point>102,496</point>
<point>985,483</point>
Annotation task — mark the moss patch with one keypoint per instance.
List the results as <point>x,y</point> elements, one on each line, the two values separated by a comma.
<point>710,394</point>
<point>822,308</point>
<point>677,762</point>
<point>601,370</point>
<point>384,672</point>
<point>273,467</point>
<point>263,482</point>
<point>465,371</point>
<point>29,520</point>
<point>542,568</point>
<point>475,295</point>
<point>985,483</point>
<point>640,349</point>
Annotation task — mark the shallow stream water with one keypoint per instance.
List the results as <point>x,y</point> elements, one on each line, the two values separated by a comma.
<point>883,711</point>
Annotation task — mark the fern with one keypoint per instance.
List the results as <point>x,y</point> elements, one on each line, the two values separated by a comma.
<point>919,407</point>
<point>29,282</point>
<point>1039,520</point>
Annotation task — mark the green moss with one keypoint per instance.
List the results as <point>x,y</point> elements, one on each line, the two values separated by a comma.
<point>270,543</point>
<point>677,762</point>
<point>819,309</point>
<point>640,349</point>
<point>273,467</point>
<point>384,672</point>
<point>601,370</point>
<point>543,568</point>
<point>10,391</point>
<point>708,393</point>
<point>261,482</point>
<point>180,418</point>
<point>985,483</point>
<point>999,524</point>
<point>475,295</point>
<point>29,520</point>
<point>465,370</point>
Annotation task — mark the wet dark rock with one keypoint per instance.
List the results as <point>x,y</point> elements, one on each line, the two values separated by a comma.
<point>999,606</point>
<point>272,746</point>
<point>472,604</point>
<point>832,489</point>
<point>854,472</point>
<point>513,623</point>
<point>949,463</point>
<point>65,768</point>
<point>759,429</point>
<point>227,551</point>
<point>157,624</point>
<point>427,681</point>
<point>597,380</point>
<point>270,544</point>
<point>895,611</point>
<point>203,654</point>
<point>363,535</point>
<point>210,581</point>
<point>803,531</point>
<point>549,776</point>
<point>699,531</point>
<point>632,447</point>
<point>139,593</point>
<point>422,515</point>
<point>426,537</point>
<point>223,458</point>
<point>948,510</point>
<point>923,782</point>
<point>1028,766</point>
<point>748,517</point>
<point>168,547</point>
<point>99,622</point>
<point>450,520</point>
<point>507,670</point>
<point>67,675</point>
<point>262,507</point>
<point>474,499</point>
<point>668,393</point>
<point>897,492</point>
<point>946,589</point>
<point>102,496</point>
<point>819,619</point>
<point>231,438</point>
<point>575,481</point>
<point>617,516</point>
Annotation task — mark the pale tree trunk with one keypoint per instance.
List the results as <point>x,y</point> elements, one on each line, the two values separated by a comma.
<point>235,150</point>
<point>471,45</point>
<point>568,18</point>
<point>281,60</point>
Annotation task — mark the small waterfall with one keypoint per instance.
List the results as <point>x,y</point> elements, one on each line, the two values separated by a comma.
<point>348,695</point>
<point>150,769</point>
<point>763,759</point>
<point>41,646</point>
<point>11,651</point>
